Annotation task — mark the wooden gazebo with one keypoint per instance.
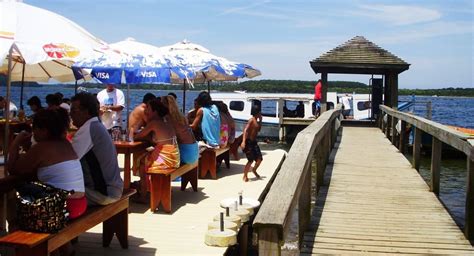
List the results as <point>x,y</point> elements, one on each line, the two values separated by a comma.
<point>360,56</point>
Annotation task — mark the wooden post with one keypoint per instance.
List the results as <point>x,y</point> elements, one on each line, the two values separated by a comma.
<point>319,167</point>
<point>281,136</point>
<point>435,165</point>
<point>417,148</point>
<point>469,212</point>
<point>388,126</point>
<point>382,124</point>
<point>304,205</point>
<point>394,130</point>
<point>403,137</point>
<point>324,92</point>
<point>268,242</point>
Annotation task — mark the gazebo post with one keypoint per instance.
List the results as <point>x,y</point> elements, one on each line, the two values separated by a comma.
<point>324,91</point>
<point>386,90</point>
<point>392,89</point>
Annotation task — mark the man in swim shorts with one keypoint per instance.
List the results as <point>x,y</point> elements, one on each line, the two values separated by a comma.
<point>249,143</point>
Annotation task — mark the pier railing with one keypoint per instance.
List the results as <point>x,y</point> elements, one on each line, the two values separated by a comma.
<point>440,134</point>
<point>289,197</point>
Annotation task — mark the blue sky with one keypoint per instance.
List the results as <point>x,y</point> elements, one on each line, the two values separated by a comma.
<point>281,37</point>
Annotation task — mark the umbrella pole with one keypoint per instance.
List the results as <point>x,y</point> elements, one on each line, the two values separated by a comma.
<point>22,85</point>
<point>184,96</point>
<point>3,199</point>
<point>209,87</point>
<point>128,104</point>
<point>75,87</point>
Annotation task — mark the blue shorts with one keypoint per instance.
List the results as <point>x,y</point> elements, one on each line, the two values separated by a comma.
<point>188,153</point>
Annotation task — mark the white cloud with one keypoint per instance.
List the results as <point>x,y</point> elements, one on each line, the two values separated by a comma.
<point>435,29</point>
<point>244,8</point>
<point>399,14</point>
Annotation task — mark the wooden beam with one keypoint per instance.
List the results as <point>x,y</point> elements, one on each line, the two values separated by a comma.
<point>435,165</point>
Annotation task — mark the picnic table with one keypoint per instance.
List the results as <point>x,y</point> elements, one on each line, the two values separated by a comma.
<point>128,148</point>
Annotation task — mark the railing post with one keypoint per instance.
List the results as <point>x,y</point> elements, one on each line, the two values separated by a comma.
<point>394,131</point>
<point>469,212</point>
<point>304,206</point>
<point>435,165</point>
<point>417,148</point>
<point>268,241</point>
<point>403,137</point>
<point>319,166</point>
<point>388,126</point>
<point>382,124</point>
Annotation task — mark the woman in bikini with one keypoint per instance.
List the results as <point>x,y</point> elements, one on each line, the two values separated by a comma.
<point>161,133</point>
<point>188,147</point>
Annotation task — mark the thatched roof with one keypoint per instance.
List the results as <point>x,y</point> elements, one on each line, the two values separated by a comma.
<point>358,56</point>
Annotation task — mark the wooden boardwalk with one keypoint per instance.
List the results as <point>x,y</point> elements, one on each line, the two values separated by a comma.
<point>377,203</point>
<point>182,232</point>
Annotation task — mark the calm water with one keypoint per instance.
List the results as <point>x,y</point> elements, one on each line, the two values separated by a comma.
<point>446,110</point>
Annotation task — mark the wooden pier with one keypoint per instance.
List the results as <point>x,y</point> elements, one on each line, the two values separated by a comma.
<point>375,202</point>
<point>182,232</point>
<point>368,198</point>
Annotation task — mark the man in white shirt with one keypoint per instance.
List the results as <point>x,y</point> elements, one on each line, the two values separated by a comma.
<point>346,102</point>
<point>112,102</point>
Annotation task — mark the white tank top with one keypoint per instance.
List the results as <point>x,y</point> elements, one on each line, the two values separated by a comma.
<point>65,175</point>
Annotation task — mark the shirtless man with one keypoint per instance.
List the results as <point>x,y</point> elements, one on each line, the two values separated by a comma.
<point>249,143</point>
<point>136,120</point>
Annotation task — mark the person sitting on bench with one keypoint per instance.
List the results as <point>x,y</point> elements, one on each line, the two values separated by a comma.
<point>208,118</point>
<point>188,147</point>
<point>52,159</point>
<point>93,145</point>
<point>165,154</point>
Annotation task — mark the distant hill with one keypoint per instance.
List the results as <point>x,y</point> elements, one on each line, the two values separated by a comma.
<point>3,82</point>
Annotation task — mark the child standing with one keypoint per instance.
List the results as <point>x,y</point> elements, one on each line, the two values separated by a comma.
<point>249,143</point>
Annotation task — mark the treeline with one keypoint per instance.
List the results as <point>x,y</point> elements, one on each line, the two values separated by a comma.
<point>282,86</point>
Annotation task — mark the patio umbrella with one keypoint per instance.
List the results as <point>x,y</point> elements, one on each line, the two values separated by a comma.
<point>125,67</point>
<point>45,43</point>
<point>194,63</point>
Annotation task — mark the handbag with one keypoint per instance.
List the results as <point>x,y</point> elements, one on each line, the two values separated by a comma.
<point>41,207</point>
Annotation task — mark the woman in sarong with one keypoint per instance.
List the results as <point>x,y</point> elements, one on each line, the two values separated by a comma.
<point>165,153</point>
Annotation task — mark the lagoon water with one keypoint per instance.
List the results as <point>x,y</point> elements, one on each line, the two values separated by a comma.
<point>455,111</point>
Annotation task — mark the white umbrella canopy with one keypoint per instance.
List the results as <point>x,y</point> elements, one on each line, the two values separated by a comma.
<point>190,61</point>
<point>46,44</point>
<point>133,47</point>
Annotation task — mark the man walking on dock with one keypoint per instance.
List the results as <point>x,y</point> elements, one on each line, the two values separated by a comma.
<point>249,143</point>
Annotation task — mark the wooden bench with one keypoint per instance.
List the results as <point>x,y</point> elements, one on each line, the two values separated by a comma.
<point>113,216</point>
<point>160,184</point>
<point>208,161</point>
